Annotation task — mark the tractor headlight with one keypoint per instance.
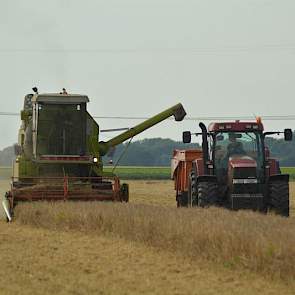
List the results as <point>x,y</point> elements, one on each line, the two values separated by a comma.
<point>95,160</point>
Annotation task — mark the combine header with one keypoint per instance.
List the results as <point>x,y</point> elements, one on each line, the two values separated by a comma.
<point>59,156</point>
<point>233,169</point>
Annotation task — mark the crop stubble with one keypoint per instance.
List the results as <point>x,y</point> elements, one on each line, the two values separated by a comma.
<point>244,239</point>
<point>165,248</point>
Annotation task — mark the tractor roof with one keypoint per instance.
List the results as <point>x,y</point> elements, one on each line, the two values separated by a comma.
<point>56,98</point>
<point>236,126</point>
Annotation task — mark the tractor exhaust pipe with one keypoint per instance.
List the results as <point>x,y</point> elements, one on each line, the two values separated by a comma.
<point>205,147</point>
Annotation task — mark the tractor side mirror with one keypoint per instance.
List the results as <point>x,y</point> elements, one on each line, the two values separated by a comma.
<point>186,137</point>
<point>288,134</point>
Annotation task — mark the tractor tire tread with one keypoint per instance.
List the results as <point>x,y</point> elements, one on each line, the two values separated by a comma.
<point>279,198</point>
<point>207,194</point>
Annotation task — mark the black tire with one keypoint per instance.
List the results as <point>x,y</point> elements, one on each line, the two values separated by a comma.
<point>124,192</point>
<point>203,194</point>
<point>207,194</point>
<point>192,190</point>
<point>279,198</point>
<point>182,200</point>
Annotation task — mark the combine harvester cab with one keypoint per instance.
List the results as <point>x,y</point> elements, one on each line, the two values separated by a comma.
<point>233,169</point>
<point>59,156</point>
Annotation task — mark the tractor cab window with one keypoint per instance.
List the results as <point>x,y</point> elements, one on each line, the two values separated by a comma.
<point>237,144</point>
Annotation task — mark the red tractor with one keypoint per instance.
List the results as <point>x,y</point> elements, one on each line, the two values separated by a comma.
<point>233,169</point>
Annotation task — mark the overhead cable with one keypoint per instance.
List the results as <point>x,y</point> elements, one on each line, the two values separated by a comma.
<point>195,118</point>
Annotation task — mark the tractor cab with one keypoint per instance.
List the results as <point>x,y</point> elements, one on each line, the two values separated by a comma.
<point>233,169</point>
<point>237,149</point>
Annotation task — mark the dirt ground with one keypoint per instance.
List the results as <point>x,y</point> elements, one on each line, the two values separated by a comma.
<point>39,261</point>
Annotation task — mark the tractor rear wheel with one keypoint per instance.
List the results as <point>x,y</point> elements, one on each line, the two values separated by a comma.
<point>279,198</point>
<point>207,194</point>
<point>203,194</point>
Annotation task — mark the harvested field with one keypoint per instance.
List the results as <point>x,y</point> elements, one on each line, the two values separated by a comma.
<point>235,239</point>
<point>150,247</point>
<point>40,261</point>
<point>152,192</point>
<point>292,198</point>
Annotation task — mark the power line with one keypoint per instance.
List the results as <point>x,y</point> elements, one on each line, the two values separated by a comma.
<point>201,118</point>
<point>213,49</point>
<point>209,118</point>
<point>9,114</point>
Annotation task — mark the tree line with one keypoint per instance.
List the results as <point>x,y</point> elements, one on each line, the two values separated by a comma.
<point>158,152</point>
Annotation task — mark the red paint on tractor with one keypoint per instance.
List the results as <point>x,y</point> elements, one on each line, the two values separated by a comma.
<point>241,162</point>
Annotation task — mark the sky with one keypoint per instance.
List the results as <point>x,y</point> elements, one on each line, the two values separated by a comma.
<point>138,57</point>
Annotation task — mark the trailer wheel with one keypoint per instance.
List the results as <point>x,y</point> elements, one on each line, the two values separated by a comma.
<point>206,194</point>
<point>192,190</point>
<point>182,199</point>
<point>279,198</point>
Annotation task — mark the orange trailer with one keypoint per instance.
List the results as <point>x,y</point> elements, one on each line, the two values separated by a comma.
<point>181,166</point>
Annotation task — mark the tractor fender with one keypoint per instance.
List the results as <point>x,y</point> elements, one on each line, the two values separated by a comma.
<point>274,167</point>
<point>198,166</point>
<point>279,177</point>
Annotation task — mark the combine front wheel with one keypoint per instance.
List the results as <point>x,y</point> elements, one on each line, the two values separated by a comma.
<point>124,192</point>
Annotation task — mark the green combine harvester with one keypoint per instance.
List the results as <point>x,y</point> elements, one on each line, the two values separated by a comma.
<point>59,155</point>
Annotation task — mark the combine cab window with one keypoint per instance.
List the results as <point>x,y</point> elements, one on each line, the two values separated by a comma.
<point>28,102</point>
<point>61,129</point>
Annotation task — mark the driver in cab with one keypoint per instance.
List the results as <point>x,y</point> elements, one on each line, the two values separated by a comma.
<point>235,147</point>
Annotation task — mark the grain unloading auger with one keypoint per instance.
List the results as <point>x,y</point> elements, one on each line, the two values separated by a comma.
<point>59,156</point>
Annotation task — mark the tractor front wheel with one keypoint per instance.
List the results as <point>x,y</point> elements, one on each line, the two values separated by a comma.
<point>279,198</point>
